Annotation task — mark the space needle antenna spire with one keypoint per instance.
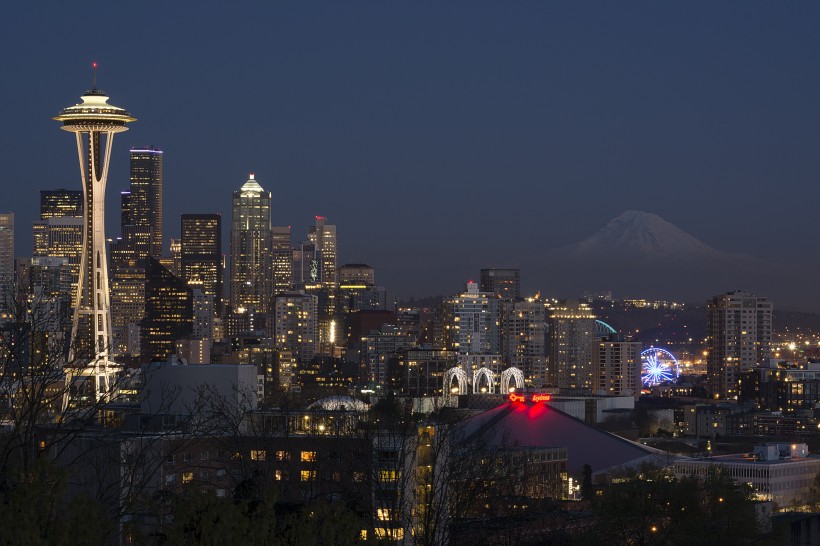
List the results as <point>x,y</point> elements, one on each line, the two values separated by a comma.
<point>94,80</point>
<point>90,372</point>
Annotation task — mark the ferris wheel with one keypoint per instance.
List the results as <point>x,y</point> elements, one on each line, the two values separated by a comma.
<point>658,366</point>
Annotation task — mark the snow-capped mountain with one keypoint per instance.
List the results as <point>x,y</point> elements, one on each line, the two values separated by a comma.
<point>641,238</point>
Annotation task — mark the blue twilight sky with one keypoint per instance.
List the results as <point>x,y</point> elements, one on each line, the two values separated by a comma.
<point>439,137</point>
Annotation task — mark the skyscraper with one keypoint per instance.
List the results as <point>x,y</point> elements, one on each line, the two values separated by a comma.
<point>323,237</point>
<point>6,247</point>
<point>60,203</point>
<point>282,256</point>
<point>504,283</point>
<point>251,266</point>
<point>169,312</point>
<point>573,342</point>
<point>473,323</point>
<point>59,232</point>
<point>145,202</point>
<point>201,253</point>
<point>91,329</point>
<point>739,337</point>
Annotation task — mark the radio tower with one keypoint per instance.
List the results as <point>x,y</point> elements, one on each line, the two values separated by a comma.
<point>90,373</point>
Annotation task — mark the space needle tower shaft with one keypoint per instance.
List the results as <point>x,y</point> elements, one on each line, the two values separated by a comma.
<point>94,123</point>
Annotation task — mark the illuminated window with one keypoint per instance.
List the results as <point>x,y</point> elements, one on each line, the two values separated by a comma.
<point>187,477</point>
<point>383,514</point>
<point>390,475</point>
<point>258,454</point>
<point>307,475</point>
<point>308,456</point>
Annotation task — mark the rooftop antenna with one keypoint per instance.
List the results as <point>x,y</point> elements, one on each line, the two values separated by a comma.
<point>94,81</point>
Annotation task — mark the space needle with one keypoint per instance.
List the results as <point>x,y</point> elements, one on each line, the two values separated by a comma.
<point>89,358</point>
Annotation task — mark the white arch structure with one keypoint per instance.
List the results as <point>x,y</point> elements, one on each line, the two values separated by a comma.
<point>458,374</point>
<point>485,372</point>
<point>511,373</point>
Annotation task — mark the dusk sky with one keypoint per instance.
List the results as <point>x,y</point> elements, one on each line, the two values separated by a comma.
<point>440,139</point>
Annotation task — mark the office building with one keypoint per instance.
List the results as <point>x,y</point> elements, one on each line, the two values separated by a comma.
<point>6,247</point>
<point>61,203</point>
<point>145,202</point>
<point>573,343</point>
<point>127,306</point>
<point>201,253</point>
<point>323,237</point>
<point>739,337</point>
<point>168,312</point>
<point>504,283</point>
<point>92,120</point>
<point>282,258</point>
<point>473,322</point>
<point>251,266</point>
<point>357,274</point>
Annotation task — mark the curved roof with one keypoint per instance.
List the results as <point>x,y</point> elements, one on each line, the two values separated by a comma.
<point>339,403</point>
<point>94,110</point>
<point>523,425</point>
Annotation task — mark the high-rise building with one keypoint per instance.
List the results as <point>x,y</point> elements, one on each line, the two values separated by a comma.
<point>169,312</point>
<point>127,306</point>
<point>201,253</point>
<point>63,238</point>
<point>296,325</point>
<point>739,337</point>
<point>282,257</point>
<point>618,367</point>
<point>323,237</point>
<point>357,274</point>
<point>6,247</point>
<point>473,322</point>
<point>144,204</point>
<point>573,343</point>
<point>91,328</point>
<point>60,203</point>
<point>524,338</point>
<point>504,283</point>
<point>251,266</point>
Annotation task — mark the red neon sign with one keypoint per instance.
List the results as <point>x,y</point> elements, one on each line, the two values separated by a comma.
<point>534,398</point>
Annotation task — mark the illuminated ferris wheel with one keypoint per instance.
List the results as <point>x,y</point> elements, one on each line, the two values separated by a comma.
<point>658,366</point>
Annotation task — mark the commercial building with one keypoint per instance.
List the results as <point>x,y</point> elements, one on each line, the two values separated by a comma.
<point>780,473</point>
<point>168,312</point>
<point>6,247</point>
<point>144,205</point>
<point>251,266</point>
<point>201,253</point>
<point>282,259</point>
<point>739,337</point>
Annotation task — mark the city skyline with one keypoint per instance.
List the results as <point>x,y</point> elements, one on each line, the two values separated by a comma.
<point>698,108</point>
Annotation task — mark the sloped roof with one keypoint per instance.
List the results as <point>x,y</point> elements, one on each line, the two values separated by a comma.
<point>539,425</point>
